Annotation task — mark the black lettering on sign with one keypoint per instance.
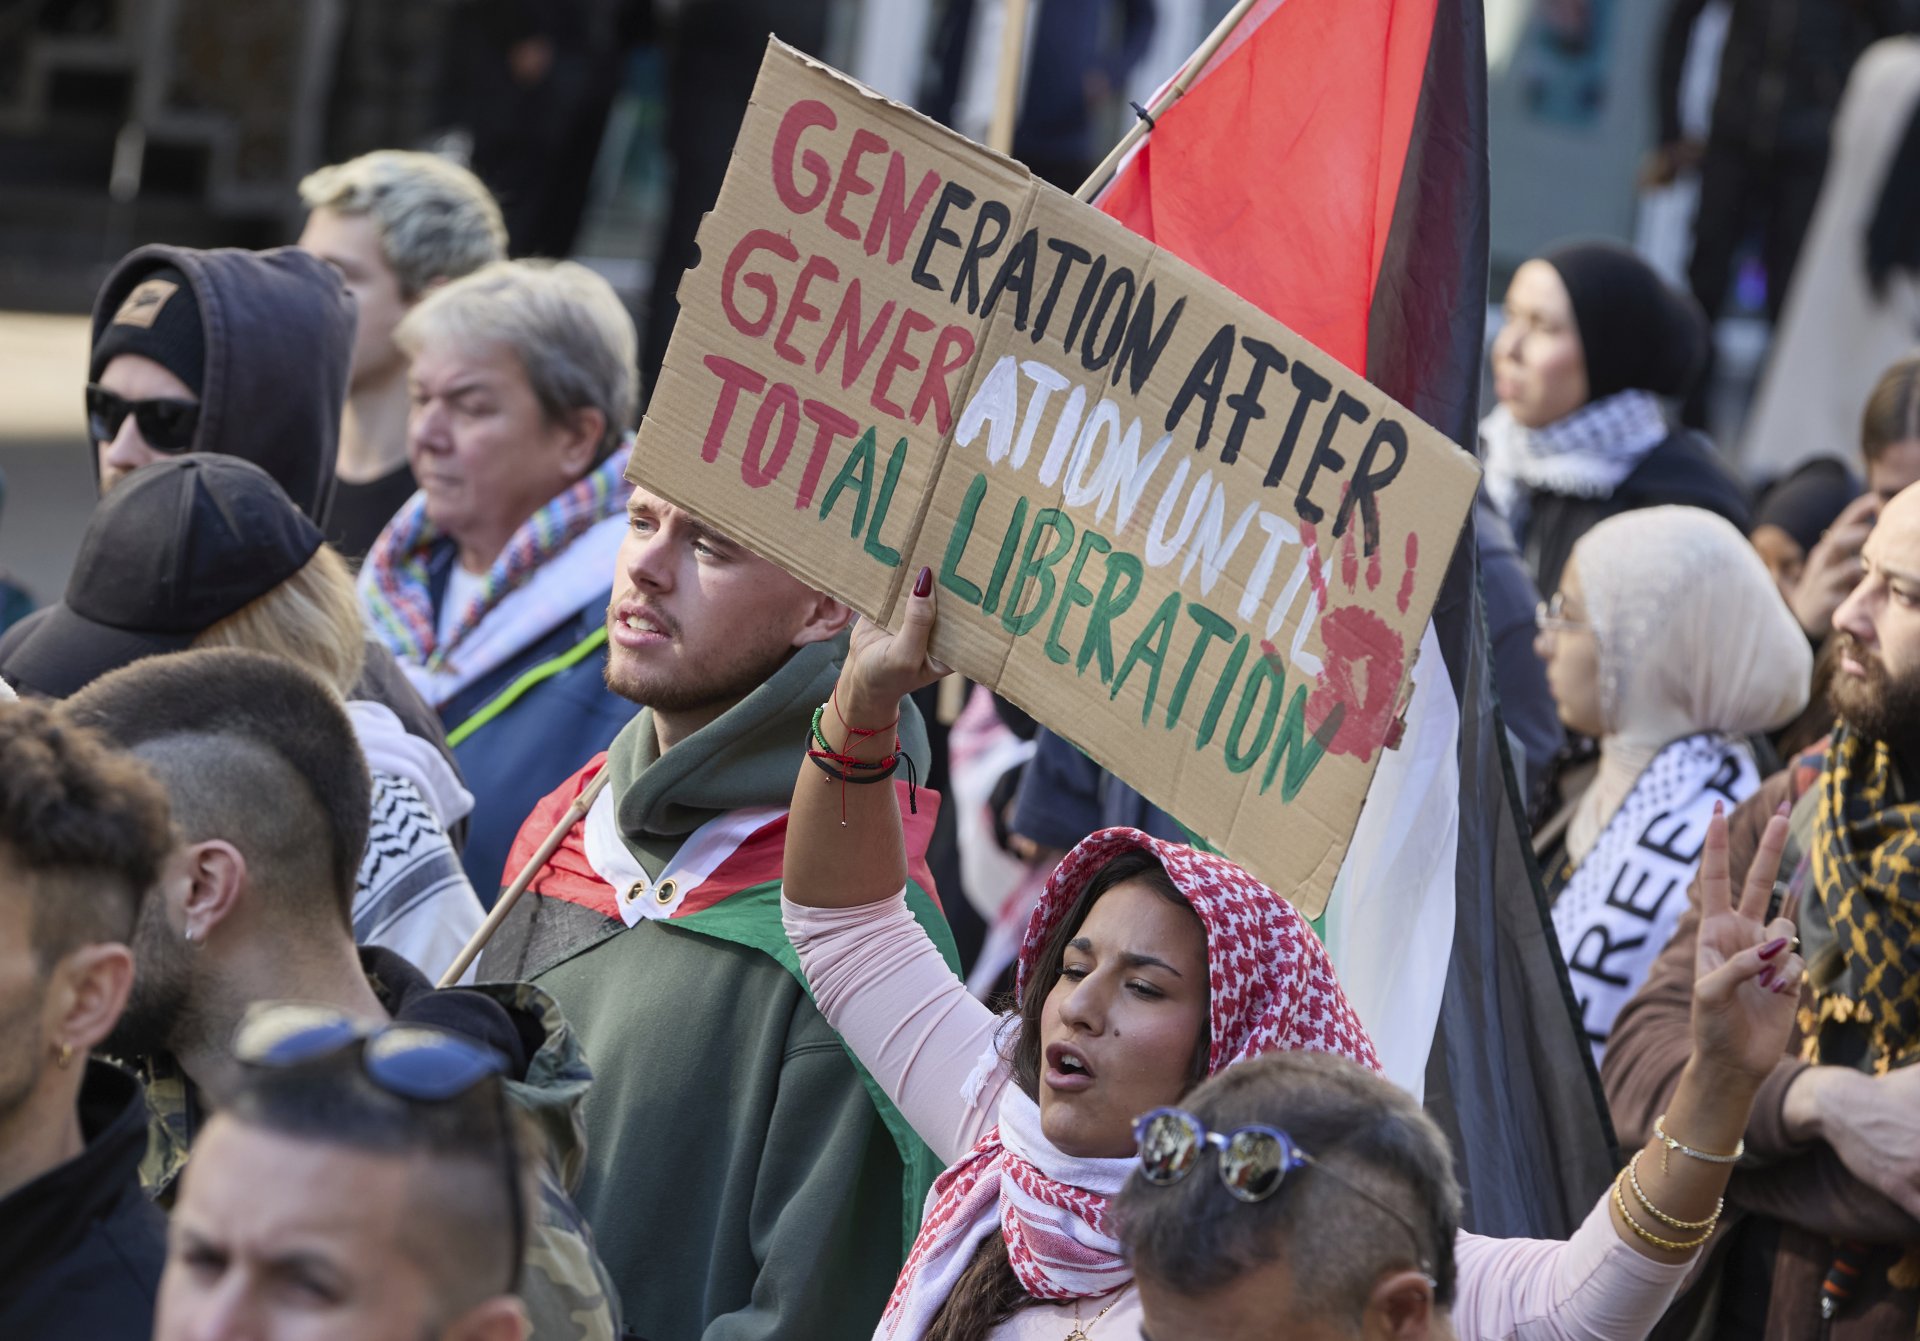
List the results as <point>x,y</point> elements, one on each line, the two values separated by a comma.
<point>1140,351</point>
<point>1204,380</point>
<point>992,212</point>
<point>1070,254</point>
<point>1596,947</point>
<point>1633,900</point>
<point>1672,843</point>
<point>1245,403</point>
<point>952,196</point>
<point>1345,406</point>
<point>1015,277</point>
<point>1313,389</point>
<point>1113,312</point>
<point>1369,480</point>
<point>1087,290</point>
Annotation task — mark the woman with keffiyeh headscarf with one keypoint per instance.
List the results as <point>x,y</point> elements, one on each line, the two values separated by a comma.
<point>1147,967</point>
<point>1592,341</point>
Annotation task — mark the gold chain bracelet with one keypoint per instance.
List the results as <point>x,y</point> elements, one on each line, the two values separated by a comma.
<point>1633,1181</point>
<point>1704,1156</point>
<point>1667,1245</point>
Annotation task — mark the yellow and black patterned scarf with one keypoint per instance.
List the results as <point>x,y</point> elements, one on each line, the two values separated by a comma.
<point>1866,875</point>
<point>1866,867</point>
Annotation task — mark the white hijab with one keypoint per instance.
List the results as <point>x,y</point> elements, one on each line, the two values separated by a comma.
<point>1693,636</point>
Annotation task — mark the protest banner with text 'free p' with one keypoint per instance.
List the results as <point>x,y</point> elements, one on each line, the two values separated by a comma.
<point>1170,529</point>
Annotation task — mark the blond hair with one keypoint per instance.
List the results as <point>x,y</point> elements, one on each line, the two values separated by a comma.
<point>565,324</point>
<point>312,619</point>
<point>436,220</point>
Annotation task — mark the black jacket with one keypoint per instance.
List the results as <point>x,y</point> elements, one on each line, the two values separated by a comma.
<point>80,1246</point>
<point>279,338</point>
<point>1782,69</point>
<point>1682,470</point>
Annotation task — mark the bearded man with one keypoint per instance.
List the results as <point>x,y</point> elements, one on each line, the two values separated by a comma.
<point>744,1177</point>
<point>1823,1217</point>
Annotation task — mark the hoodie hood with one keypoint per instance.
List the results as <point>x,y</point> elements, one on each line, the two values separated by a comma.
<point>748,756</point>
<point>278,329</point>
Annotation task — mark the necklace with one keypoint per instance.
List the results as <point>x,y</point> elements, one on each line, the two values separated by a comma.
<point>1080,1330</point>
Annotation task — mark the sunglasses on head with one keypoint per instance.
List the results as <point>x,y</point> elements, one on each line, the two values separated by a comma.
<point>167,425</point>
<point>409,1061</point>
<point>1254,1160</point>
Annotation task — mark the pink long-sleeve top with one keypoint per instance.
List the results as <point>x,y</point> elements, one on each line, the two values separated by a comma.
<point>881,983</point>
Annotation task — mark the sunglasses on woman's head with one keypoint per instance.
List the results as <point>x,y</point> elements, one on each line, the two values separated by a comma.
<point>412,1062</point>
<point>1254,1160</point>
<point>166,424</point>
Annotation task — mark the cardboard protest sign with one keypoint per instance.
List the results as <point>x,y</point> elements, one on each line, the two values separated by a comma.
<point>1160,522</point>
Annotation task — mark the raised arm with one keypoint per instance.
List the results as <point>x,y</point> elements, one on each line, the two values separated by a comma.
<point>845,847</point>
<point>1746,980</point>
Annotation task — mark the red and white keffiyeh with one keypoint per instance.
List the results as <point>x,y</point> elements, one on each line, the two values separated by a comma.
<point>1272,989</point>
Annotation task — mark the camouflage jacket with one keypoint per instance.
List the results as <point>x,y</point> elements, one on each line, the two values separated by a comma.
<point>568,1294</point>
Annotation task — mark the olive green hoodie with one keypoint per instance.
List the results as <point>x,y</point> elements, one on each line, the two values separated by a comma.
<point>742,1180</point>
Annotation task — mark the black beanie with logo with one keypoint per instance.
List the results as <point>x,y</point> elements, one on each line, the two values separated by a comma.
<point>159,318</point>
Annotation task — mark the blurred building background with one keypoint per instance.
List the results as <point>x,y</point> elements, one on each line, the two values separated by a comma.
<point>191,121</point>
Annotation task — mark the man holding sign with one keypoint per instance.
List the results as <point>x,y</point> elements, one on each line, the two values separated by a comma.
<point>744,1178</point>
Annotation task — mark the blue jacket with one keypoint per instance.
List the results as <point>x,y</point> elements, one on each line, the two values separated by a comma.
<point>527,726</point>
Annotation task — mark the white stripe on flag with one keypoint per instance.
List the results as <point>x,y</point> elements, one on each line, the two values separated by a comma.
<point>1389,924</point>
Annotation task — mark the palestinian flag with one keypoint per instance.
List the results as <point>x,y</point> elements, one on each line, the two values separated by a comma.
<point>1329,164</point>
<point>724,882</point>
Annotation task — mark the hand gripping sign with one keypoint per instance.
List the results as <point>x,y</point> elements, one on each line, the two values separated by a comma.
<point>1160,522</point>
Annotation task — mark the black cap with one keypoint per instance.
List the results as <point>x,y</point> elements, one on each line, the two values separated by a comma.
<point>160,318</point>
<point>1638,332</point>
<point>175,548</point>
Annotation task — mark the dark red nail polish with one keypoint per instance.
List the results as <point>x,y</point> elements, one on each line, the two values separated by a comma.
<point>1772,948</point>
<point>1766,978</point>
<point>1785,985</point>
<point>923,584</point>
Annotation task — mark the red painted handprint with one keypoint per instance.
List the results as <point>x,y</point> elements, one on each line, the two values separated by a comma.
<point>1357,693</point>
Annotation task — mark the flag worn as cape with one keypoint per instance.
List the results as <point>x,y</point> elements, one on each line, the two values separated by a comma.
<point>725,883</point>
<point>1330,165</point>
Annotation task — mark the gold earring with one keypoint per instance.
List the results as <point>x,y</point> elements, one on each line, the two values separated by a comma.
<point>66,1055</point>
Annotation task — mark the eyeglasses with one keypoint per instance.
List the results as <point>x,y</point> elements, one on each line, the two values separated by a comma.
<point>167,425</point>
<point>410,1061</point>
<point>1254,1161</point>
<point>1551,617</point>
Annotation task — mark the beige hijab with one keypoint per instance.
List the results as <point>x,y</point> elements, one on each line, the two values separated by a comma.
<point>1693,636</point>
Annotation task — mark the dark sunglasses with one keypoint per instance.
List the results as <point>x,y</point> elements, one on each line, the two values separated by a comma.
<point>167,425</point>
<point>1254,1160</point>
<point>410,1061</point>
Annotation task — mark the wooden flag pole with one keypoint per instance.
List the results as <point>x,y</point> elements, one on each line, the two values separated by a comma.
<point>511,894</point>
<point>1168,97</point>
<point>1006,94</point>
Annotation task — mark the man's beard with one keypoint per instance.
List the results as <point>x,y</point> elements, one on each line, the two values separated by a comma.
<point>162,987</point>
<point>731,678</point>
<point>1876,705</point>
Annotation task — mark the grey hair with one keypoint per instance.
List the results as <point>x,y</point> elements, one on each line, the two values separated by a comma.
<point>435,219</point>
<point>565,324</point>
<point>1193,1238</point>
